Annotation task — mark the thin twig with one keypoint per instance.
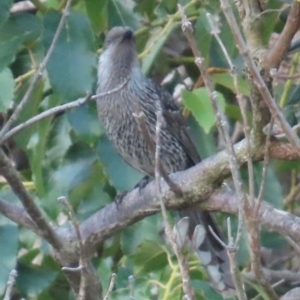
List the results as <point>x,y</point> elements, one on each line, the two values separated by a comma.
<point>265,169</point>
<point>275,275</point>
<point>142,124</point>
<point>52,111</point>
<point>82,255</point>
<point>221,120</point>
<point>293,244</point>
<point>10,283</point>
<point>276,75</point>
<point>236,275</point>
<point>38,73</point>
<point>247,129</point>
<point>111,286</point>
<point>257,79</point>
<point>186,285</point>
<point>295,190</point>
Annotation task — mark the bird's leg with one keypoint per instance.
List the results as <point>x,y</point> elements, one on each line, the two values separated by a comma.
<point>143,182</point>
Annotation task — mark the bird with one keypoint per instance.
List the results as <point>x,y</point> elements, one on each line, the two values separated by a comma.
<point>119,65</point>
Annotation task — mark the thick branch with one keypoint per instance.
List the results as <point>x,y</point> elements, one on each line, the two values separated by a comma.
<point>197,183</point>
<point>135,207</point>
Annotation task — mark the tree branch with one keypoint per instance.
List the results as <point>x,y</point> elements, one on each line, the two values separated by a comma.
<point>57,109</point>
<point>31,208</point>
<point>197,184</point>
<point>18,215</point>
<point>275,54</point>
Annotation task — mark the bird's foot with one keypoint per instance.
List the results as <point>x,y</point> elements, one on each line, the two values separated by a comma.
<point>142,183</point>
<point>119,198</point>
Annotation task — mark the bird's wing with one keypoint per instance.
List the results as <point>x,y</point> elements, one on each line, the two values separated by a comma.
<point>154,98</point>
<point>177,125</point>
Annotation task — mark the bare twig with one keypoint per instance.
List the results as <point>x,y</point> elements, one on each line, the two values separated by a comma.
<point>111,286</point>
<point>236,275</point>
<point>257,79</point>
<point>265,169</point>
<point>82,255</point>
<point>38,73</point>
<point>52,111</point>
<point>221,120</point>
<point>31,208</point>
<point>295,190</point>
<point>275,275</point>
<point>10,283</point>
<point>276,75</point>
<point>247,129</point>
<point>186,285</point>
<point>142,124</point>
<point>293,244</point>
<point>275,54</point>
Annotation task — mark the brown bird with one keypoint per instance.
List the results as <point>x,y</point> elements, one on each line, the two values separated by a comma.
<point>118,64</point>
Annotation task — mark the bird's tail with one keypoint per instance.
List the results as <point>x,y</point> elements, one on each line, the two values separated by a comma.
<point>212,254</point>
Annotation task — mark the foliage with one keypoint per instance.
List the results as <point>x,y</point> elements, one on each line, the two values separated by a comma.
<point>68,154</point>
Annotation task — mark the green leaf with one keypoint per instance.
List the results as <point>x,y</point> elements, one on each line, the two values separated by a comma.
<point>149,256</point>
<point>233,111</point>
<point>85,122</point>
<point>205,141</point>
<point>273,240</point>
<point>4,10</point>
<point>272,188</point>
<point>18,29</point>
<point>33,281</point>
<point>38,147</point>
<point>97,13</point>
<point>72,65</point>
<point>155,43</point>
<point>199,103</point>
<point>203,35</point>
<point>120,174</point>
<point>8,249</point>
<point>204,289</point>
<point>170,6</point>
<point>30,110</point>
<point>71,174</point>
<point>227,81</point>
<point>7,85</point>
<point>217,56</point>
<point>134,235</point>
<point>146,7</point>
<point>120,14</point>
